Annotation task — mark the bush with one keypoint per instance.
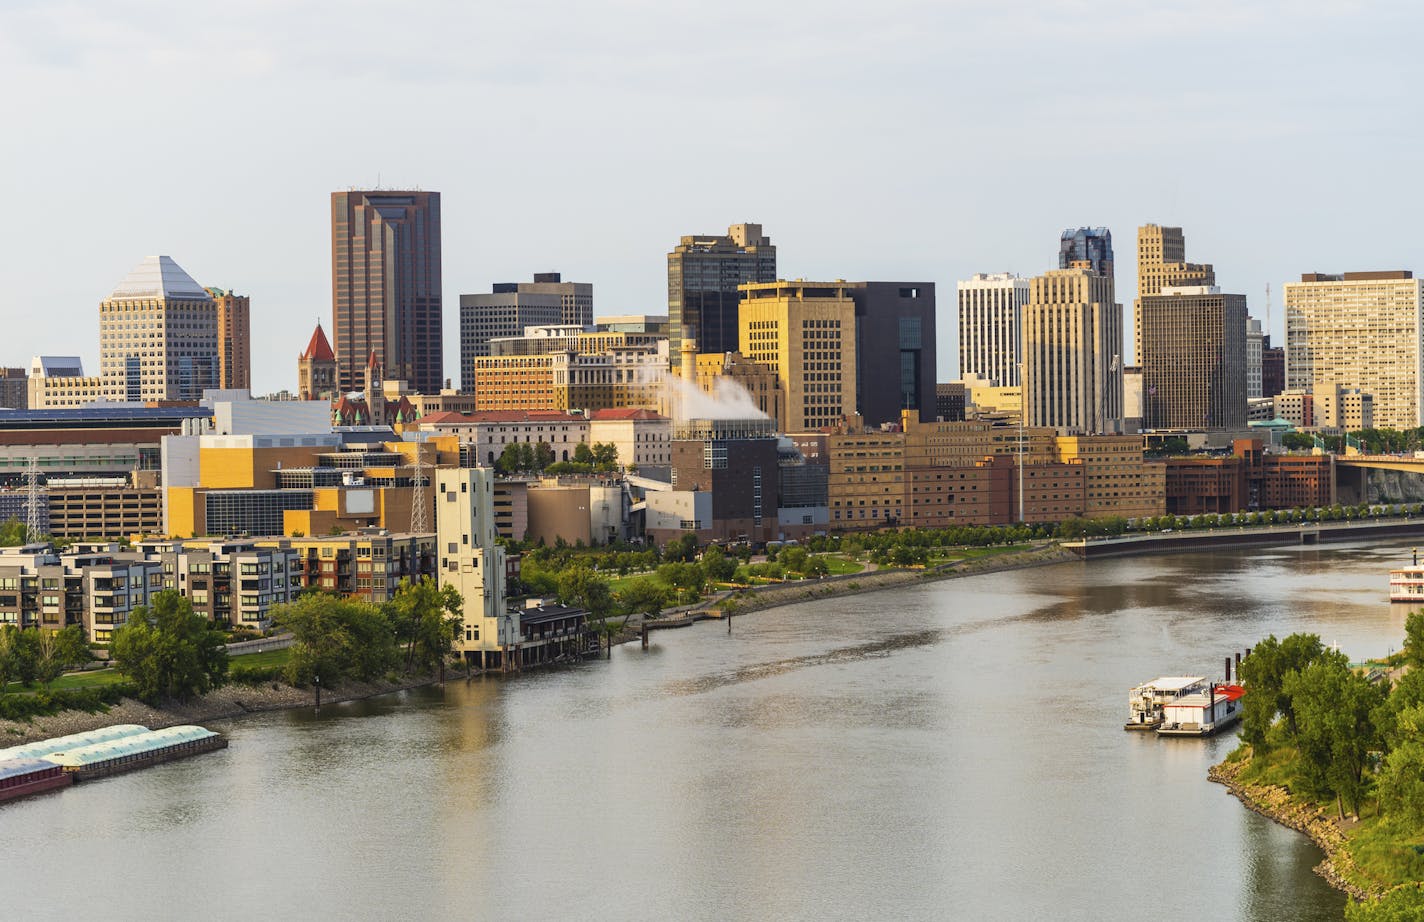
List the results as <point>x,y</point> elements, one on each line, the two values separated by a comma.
<point>254,675</point>
<point>44,703</point>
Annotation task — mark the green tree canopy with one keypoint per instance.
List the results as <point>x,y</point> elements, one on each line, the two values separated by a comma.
<point>59,650</point>
<point>1264,673</point>
<point>643,596</point>
<point>1333,707</point>
<point>336,638</point>
<point>428,618</point>
<point>169,651</point>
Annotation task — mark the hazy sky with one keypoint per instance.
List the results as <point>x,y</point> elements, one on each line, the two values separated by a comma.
<point>907,140</point>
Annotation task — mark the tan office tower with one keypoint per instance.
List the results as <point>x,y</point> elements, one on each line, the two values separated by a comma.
<point>1359,330</point>
<point>158,335</point>
<point>1193,351</point>
<point>806,332</point>
<point>1161,263</point>
<point>385,287</point>
<point>234,339</point>
<point>1072,348</point>
<point>989,307</point>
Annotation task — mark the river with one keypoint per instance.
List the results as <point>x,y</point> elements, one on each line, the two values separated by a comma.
<point>948,751</point>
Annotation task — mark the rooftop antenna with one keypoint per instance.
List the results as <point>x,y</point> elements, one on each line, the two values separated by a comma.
<point>1268,309</point>
<point>419,519</point>
<point>33,501</point>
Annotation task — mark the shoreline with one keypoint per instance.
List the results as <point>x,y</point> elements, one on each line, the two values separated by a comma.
<point>1275,804</point>
<point>226,703</point>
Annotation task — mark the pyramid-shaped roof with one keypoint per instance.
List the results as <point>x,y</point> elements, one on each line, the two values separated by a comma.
<point>159,277</point>
<point>319,348</point>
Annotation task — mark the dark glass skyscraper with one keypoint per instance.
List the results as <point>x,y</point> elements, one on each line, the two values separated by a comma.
<point>703,275</point>
<point>1087,248</point>
<point>385,287</point>
<point>895,350</point>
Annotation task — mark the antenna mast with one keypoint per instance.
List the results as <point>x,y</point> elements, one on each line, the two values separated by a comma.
<point>419,517</point>
<point>1268,309</point>
<point>33,502</point>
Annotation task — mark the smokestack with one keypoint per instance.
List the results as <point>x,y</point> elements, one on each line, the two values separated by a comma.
<point>689,361</point>
<point>1228,670</point>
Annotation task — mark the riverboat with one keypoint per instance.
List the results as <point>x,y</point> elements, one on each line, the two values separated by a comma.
<point>1406,584</point>
<point>23,777</point>
<point>1202,713</point>
<point>1146,701</point>
<point>124,755</point>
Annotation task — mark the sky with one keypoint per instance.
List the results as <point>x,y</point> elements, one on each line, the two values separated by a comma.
<point>896,140</point>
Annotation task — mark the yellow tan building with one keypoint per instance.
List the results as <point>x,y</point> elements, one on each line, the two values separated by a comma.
<point>760,381</point>
<point>1162,263</point>
<point>805,331</point>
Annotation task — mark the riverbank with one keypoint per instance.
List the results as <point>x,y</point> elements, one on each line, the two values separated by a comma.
<point>225,703</point>
<point>232,701</point>
<point>1275,803</point>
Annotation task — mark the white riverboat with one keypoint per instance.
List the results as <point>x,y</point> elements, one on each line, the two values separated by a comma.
<point>1202,713</point>
<point>1406,584</point>
<point>1146,702</point>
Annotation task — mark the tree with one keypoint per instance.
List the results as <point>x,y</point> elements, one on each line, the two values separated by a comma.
<point>644,595</point>
<point>168,651</point>
<point>1403,905</point>
<point>605,456</point>
<point>12,532</point>
<point>1333,708</point>
<point>543,455</point>
<point>688,578</point>
<point>1263,673</point>
<point>682,548</point>
<point>582,587</point>
<point>793,559</point>
<point>1401,775</point>
<point>429,618</point>
<point>12,651</point>
<point>717,565</point>
<point>336,638</point>
<point>58,651</point>
<point>583,454</point>
<point>1414,639</point>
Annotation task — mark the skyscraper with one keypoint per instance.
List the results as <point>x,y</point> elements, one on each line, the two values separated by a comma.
<point>1086,248</point>
<point>385,286</point>
<point>1072,348</point>
<point>703,275</point>
<point>158,335</point>
<point>1255,342</point>
<point>576,298</point>
<point>989,314</point>
<point>1193,351</point>
<point>894,350</point>
<point>504,312</point>
<point>1161,263</point>
<point>1360,330</point>
<point>806,331</point>
<point>234,339</point>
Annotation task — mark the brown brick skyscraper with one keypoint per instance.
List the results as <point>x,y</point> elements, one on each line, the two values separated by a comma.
<point>385,286</point>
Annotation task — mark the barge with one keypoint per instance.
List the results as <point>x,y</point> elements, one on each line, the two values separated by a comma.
<point>39,750</point>
<point>1202,713</point>
<point>99,760</point>
<point>23,777</point>
<point>1146,702</point>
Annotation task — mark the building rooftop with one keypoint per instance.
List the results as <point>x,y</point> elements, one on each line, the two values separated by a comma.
<point>159,277</point>
<point>638,413</point>
<point>502,416</point>
<point>319,348</point>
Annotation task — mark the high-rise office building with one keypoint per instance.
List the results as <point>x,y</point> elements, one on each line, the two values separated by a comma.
<point>1072,348</point>
<point>1255,340</point>
<point>575,298</point>
<point>158,335</point>
<point>1086,248</point>
<point>989,314</point>
<point>1161,263</point>
<point>1193,351</point>
<point>894,336</point>
<point>703,275</point>
<point>1273,368</point>
<point>806,331</point>
<point>385,286</point>
<point>472,561</point>
<point>234,339</point>
<point>500,314</point>
<point>1361,330</point>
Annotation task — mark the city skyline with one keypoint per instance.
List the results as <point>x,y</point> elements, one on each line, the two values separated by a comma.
<point>969,195</point>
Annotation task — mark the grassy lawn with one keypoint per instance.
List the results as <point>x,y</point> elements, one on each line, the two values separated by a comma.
<point>974,553</point>
<point>840,565</point>
<point>265,658</point>
<point>91,679</point>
